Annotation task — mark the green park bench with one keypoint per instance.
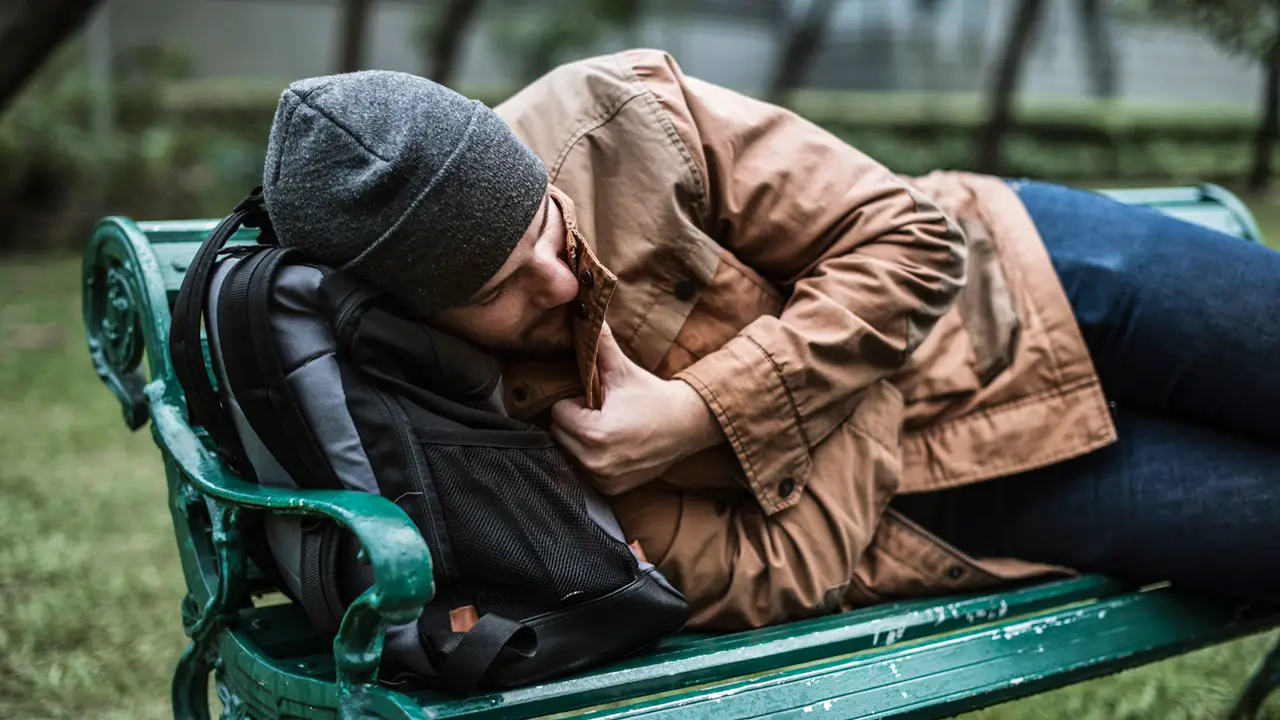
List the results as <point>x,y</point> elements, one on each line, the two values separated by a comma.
<point>923,658</point>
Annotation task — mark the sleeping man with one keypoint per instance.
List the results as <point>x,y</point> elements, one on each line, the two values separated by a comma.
<point>805,383</point>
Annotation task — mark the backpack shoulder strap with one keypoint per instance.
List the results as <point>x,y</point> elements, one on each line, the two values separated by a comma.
<point>188,317</point>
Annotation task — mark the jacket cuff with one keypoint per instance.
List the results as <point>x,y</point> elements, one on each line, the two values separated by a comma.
<point>744,387</point>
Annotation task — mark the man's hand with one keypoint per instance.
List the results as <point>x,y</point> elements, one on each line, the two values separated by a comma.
<point>645,425</point>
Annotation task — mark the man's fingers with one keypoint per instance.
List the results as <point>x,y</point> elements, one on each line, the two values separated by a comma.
<point>567,441</point>
<point>569,413</point>
<point>576,419</point>
<point>575,447</point>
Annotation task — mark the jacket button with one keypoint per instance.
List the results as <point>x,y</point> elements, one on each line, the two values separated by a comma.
<point>583,311</point>
<point>519,394</point>
<point>956,572</point>
<point>686,288</point>
<point>786,487</point>
<point>587,279</point>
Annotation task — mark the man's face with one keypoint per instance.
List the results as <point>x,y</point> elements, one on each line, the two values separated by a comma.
<point>524,308</point>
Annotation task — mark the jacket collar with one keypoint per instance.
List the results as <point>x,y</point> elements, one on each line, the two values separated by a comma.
<point>533,386</point>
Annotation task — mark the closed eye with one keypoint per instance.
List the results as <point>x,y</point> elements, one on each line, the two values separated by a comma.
<point>493,297</point>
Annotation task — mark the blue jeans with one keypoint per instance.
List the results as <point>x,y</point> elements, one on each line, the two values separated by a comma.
<point>1183,324</point>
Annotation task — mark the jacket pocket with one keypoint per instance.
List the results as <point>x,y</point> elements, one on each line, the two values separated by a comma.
<point>735,297</point>
<point>986,306</point>
<point>971,346</point>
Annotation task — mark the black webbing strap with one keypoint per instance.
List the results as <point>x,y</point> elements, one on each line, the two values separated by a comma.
<point>188,316</point>
<point>476,651</point>
<point>318,574</point>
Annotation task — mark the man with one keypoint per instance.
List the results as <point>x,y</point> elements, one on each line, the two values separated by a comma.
<point>805,383</point>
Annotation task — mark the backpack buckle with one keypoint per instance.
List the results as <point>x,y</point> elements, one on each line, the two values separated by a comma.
<point>254,209</point>
<point>253,201</point>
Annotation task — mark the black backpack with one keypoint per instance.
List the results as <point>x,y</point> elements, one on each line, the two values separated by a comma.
<point>322,384</point>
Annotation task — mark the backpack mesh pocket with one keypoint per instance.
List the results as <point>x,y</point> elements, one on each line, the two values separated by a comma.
<point>521,533</point>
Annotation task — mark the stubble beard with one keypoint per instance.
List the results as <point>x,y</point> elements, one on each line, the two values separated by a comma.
<point>550,338</point>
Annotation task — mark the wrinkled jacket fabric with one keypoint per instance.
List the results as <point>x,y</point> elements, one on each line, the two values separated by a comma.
<point>857,335</point>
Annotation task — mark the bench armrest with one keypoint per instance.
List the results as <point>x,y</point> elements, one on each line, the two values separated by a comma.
<point>126,319</point>
<point>394,548</point>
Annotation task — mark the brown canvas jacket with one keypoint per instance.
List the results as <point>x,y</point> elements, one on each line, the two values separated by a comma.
<point>856,333</point>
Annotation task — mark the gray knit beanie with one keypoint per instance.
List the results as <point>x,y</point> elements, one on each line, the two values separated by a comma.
<point>401,181</point>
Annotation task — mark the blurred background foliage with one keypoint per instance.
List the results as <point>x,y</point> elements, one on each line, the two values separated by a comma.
<point>183,145</point>
<point>58,174</point>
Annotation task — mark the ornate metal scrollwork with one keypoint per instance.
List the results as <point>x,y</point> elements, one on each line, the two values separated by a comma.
<point>120,328</point>
<point>125,317</point>
<point>233,708</point>
<point>117,299</point>
<point>203,623</point>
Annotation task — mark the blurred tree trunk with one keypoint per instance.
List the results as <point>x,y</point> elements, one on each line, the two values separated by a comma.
<point>802,45</point>
<point>1000,111</point>
<point>355,16</point>
<point>931,78</point>
<point>1100,52</point>
<point>35,29</point>
<point>447,39</point>
<point>1269,127</point>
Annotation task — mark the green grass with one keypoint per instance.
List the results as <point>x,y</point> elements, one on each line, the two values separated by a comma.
<point>89,579</point>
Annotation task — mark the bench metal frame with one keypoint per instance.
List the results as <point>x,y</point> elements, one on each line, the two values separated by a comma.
<point>923,658</point>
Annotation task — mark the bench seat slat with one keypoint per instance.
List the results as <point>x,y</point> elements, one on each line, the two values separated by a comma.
<point>948,675</point>
<point>915,615</point>
<point>277,636</point>
<point>936,676</point>
<point>716,658</point>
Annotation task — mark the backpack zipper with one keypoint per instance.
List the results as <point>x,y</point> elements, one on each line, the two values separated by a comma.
<point>947,547</point>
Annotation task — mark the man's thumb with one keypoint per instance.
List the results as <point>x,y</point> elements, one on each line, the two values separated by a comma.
<point>609,354</point>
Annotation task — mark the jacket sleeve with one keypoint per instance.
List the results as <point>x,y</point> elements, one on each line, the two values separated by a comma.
<point>740,568</point>
<point>868,263</point>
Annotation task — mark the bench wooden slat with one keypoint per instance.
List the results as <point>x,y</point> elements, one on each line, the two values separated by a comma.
<point>952,674</point>
<point>908,619</point>
<point>278,636</point>
<point>702,659</point>
<point>174,242</point>
<point>933,676</point>
<point>1206,204</point>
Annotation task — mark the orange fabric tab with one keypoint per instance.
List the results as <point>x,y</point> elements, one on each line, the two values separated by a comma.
<point>463,619</point>
<point>639,551</point>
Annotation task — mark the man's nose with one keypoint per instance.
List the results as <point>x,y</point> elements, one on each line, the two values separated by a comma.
<point>557,284</point>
